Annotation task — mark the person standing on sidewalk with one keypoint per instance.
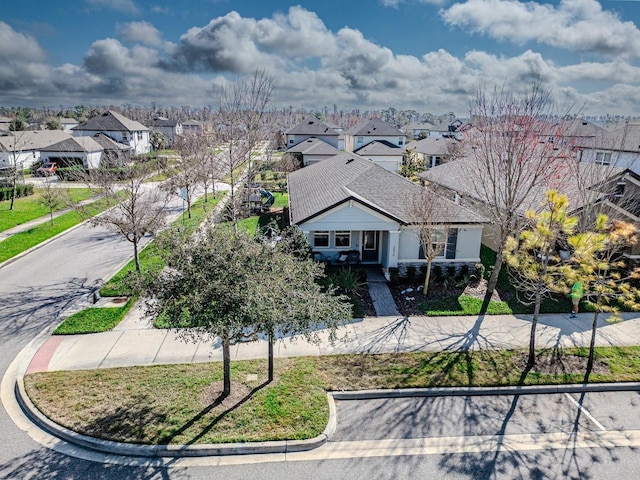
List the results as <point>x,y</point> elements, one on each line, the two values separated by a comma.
<point>577,291</point>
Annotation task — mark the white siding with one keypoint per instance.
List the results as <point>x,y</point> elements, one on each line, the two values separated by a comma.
<point>350,216</point>
<point>469,240</point>
<point>26,158</point>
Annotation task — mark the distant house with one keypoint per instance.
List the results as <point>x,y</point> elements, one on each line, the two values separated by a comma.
<point>415,130</point>
<point>312,150</point>
<point>313,127</point>
<point>611,189</point>
<point>434,151</point>
<point>119,128</point>
<point>378,141</point>
<point>5,122</point>
<point>348,204</point>
<point>68,124</point>
<point>449,129</point>
<point>169,128</point>
<point>619,147</point>
<point>192,127</point>
<point>372,130</point>
<point>23,148</point>
<point>90,152</point>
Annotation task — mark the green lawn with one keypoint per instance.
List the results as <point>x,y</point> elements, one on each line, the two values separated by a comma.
<point>177,403</point>
<point>29,208</point>
<point>466,305</point>
<point>94,320</point>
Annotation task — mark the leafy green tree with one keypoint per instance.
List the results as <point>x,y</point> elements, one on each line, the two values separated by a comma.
<point>537,269</point>
<point>227,284</point>
<point>600,265</point>
<point>158,140</point>
<point>53,124</point>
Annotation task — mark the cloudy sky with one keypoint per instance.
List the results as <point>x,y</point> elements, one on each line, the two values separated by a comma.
<point>427,55</point>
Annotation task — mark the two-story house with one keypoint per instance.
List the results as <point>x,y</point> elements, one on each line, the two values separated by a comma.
<point>378,141</point>
<point>119,128</point>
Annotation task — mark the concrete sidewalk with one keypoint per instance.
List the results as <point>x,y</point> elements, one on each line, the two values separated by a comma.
<point>135,342</point>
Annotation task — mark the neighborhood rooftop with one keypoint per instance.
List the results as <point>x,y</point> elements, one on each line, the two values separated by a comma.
<point>347,176</point>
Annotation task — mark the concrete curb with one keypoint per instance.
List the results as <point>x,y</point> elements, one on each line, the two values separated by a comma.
<point>156,451</point>
<point>476,391</point>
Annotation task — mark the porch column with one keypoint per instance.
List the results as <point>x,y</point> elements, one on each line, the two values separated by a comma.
<point>394,243</point>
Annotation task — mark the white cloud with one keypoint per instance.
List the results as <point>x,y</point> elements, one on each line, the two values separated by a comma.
<point>312,66</point>
<point>579,25</point>
<point>17,46</point>
<point>140,32</point>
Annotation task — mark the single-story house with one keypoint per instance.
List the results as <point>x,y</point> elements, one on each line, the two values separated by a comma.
<point>590,188</point>
<point>90,152</point>
<point>348,204</point>
<point>23,148</point>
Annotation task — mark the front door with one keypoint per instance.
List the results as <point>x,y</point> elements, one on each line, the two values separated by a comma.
<point>370,246</point>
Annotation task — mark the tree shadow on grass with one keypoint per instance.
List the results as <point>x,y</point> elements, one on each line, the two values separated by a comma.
<point>206,429</point>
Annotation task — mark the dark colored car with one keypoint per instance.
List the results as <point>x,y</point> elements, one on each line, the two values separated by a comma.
<point>46,169</point>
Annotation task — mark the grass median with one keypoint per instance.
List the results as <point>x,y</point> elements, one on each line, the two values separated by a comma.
<point>178,404</point>
<point>32,207</point>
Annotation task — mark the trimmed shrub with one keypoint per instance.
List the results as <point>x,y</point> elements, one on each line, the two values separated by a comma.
<point>22,190</point>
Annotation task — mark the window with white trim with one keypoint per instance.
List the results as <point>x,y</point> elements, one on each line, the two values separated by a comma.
<point>603,158</point>
<point>343,239</point>
<point>321,239</point>
<point>438,244</point>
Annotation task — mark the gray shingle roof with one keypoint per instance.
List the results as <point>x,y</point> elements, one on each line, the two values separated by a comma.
<point>76,144</point>
<point>324,185</point>
<point>111,121</point>
<point>433,146</point>
<point>32,139</point>
<point>109,143</point>
<point>314,146</point>
<point>376,127</point>
<point>380,147</point>
<point>571,179</point>
<point>311,126</point>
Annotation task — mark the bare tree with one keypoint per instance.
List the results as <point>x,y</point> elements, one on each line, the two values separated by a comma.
<point>512,155</point>
<point>239,127</point>
<point>186,171</point>
<point>52,197</point>
<point>430,212</point>
<point>138,208</point>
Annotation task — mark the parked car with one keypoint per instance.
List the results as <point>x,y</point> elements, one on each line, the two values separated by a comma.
<point>46,169</point>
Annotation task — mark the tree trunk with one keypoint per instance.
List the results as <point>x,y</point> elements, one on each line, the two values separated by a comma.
<point>135,255</point>
<point>226,361</point>
<point>532,336</point>
<point>270,357</point>
<point>427,277</point>
<point>51,215</point>
<point>14,186</point>
<point>493,279</point>
<point>592,344</point>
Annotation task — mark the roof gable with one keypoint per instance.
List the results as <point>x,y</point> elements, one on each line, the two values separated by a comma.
<point>111,121</point>
<point>324,185</point>
<point>312,126</point>
<point>375,127</point>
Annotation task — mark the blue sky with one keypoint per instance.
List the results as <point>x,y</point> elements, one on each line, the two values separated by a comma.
<point>427,55</point>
